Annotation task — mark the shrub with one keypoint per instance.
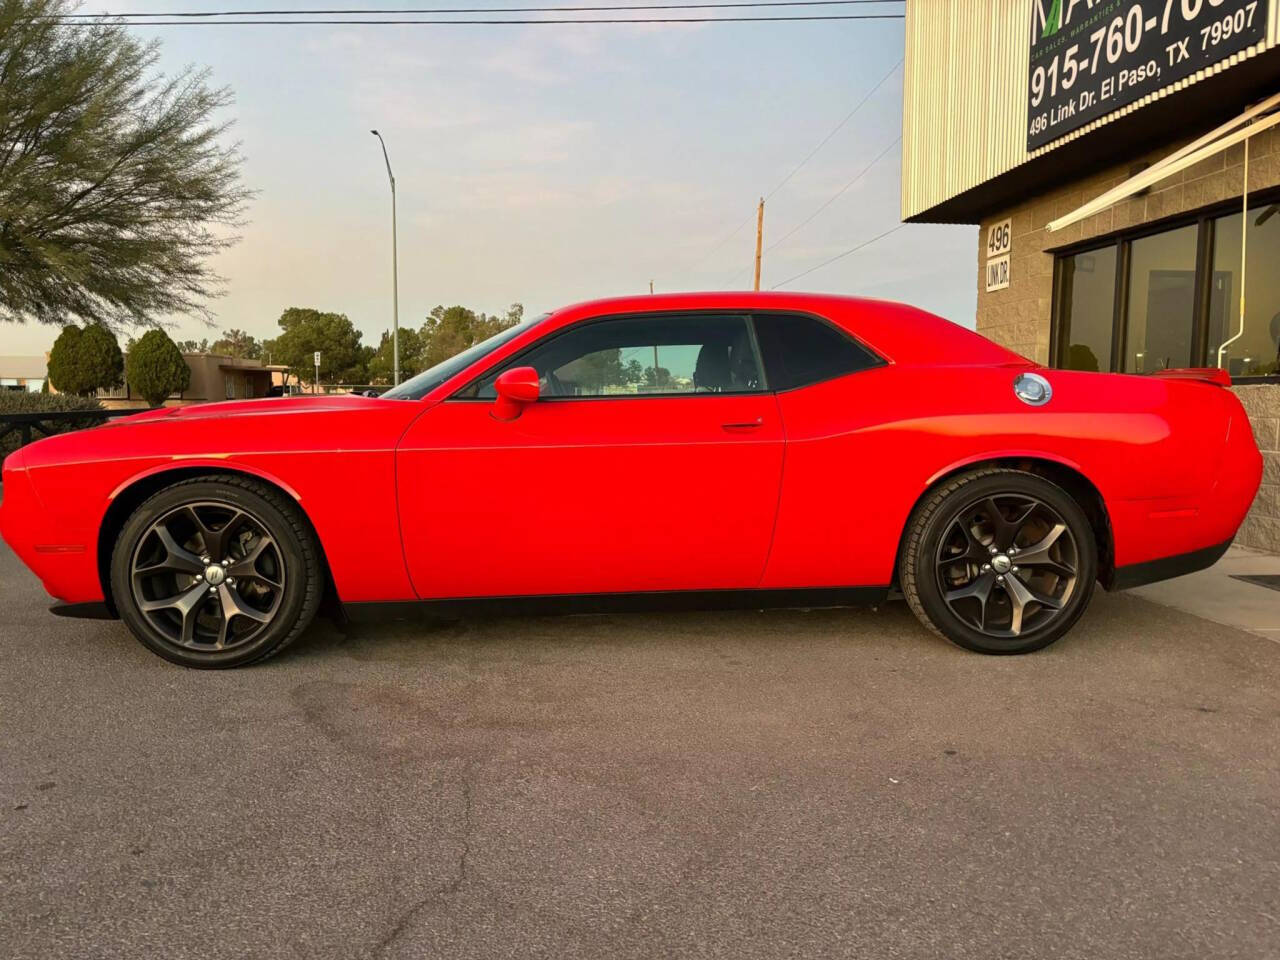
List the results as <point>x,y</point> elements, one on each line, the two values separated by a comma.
<point>155,368</point>
<point>19,401</point>
<point>83,361</point>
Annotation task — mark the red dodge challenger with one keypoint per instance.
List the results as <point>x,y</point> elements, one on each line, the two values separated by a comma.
<point>729,449</point>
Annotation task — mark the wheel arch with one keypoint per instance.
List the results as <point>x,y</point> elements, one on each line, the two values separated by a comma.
<point>131,494</point>
<point>1058,471</point>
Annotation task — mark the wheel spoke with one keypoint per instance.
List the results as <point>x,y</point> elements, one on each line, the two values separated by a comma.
<point>1038,554</point>
<point>233,605</point>
<point>247,566</point>
<point>978,589</point>
<point>975,551</point>
<point>186,604</point>
<point>177,558</point>
<point>1003,532</point>
<point>1020,594</point>
<point>215,540</point>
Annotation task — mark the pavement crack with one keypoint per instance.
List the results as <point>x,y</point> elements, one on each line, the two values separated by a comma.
<point>450,886</point>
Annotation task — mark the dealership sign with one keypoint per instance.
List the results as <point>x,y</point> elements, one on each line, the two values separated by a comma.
<point>1090,57</point>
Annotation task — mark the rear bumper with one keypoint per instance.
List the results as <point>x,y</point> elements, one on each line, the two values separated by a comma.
<point>1160,538</point>
<point>1165,568</point>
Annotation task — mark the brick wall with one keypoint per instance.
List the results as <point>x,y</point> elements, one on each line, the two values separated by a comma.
<point>1019,316</point>
<point>1261,528</point>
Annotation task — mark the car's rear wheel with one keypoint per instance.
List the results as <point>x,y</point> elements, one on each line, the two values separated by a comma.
<point>999,561</point>
<point>216,571</point>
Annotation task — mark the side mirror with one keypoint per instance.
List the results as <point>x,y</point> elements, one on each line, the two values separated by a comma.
<point>515,388</point>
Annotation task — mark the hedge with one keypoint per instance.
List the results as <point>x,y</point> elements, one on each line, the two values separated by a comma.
<point>20,401</point>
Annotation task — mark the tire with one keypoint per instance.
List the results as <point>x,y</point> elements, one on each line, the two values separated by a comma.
<point>258,589</point>
<point>1012,585</point>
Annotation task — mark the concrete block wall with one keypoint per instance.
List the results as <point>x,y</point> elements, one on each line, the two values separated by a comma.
<point>1261,529</point>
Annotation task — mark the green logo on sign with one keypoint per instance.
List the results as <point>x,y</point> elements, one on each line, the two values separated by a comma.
<point>1053,21</point>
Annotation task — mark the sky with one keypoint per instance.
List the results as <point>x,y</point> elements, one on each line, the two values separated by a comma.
<point>552,164</point>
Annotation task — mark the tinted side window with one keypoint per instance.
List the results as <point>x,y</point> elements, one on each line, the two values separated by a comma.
<point>637,356</point>
<point>800,350</point>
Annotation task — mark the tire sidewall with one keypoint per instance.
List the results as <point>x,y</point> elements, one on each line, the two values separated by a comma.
<point>297,571</point>
<point>938,520</point>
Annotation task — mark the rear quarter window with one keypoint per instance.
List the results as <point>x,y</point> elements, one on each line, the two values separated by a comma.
<point>800,350</point>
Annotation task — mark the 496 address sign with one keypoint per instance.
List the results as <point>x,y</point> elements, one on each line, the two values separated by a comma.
<point>1090,57</point>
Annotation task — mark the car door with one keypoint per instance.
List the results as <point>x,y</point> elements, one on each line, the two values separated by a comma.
<point>650,462</point>
<point>838,523</point>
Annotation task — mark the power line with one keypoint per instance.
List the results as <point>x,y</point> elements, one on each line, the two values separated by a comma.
<point>96,20</point>
<point>366,11</point>
<point>834,130</point>
<point>837,195</point>
<point>838,256</point>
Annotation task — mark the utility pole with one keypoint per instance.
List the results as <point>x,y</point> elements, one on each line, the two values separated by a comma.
<point>395,279</point>
<point>650,288</point>
<point>759,239</point>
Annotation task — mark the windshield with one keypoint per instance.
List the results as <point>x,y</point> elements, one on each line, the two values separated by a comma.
<point>418,387</point>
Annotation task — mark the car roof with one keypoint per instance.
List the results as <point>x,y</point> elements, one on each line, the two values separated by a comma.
<point>899,332</point>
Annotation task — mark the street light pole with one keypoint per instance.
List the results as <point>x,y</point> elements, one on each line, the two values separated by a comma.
<point>395,277</point>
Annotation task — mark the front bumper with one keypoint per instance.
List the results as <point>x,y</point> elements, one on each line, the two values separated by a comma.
<point>65,560</point>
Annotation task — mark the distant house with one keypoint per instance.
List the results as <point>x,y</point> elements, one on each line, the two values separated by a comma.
<point>23,373</point>
<point>213,377</point>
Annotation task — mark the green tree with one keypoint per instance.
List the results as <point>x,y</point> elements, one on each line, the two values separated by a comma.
<point>358,372</point>
<point>237,343</point>
<point>657,376</point>
<point>450,330</point>
<point>155,368</point>
<point>115,179</point>
<point>303,332</point>
<point>193,346</point>
<point>411,353</point>
<point>598,370</point>
<point>83,361</point>
<point>633,372</point>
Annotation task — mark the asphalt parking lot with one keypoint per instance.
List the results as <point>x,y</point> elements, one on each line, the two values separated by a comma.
<point>783,784</point>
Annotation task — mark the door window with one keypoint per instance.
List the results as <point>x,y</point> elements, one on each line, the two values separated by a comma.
<point>642,356</point>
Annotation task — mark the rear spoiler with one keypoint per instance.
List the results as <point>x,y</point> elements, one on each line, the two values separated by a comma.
<point>1203,374</point>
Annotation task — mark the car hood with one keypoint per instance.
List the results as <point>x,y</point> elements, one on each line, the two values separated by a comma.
<point>273,406</point>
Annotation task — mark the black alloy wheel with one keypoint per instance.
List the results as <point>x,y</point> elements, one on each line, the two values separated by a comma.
<point>216,572</point>
<point>1000,561</point>
<point>208,575</point>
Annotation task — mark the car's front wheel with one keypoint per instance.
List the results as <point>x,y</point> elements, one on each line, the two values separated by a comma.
<point>999,561</point>
<point>216,571</point>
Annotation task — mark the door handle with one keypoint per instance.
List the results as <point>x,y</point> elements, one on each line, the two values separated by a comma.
<point>748,425</point>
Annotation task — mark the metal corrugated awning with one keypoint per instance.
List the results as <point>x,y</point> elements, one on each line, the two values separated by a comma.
<point>1257,118</point>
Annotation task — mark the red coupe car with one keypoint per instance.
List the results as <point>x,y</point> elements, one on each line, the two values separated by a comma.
<point>702,449</point>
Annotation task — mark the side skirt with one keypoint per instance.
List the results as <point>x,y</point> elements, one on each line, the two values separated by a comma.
<point>1140,574</point>
<point>564,604</point>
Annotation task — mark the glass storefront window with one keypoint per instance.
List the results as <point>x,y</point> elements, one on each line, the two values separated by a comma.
<point>1162,300</point>
<point>1088,305</point>
<point>1174,309</point>
<point>1257,352</point>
